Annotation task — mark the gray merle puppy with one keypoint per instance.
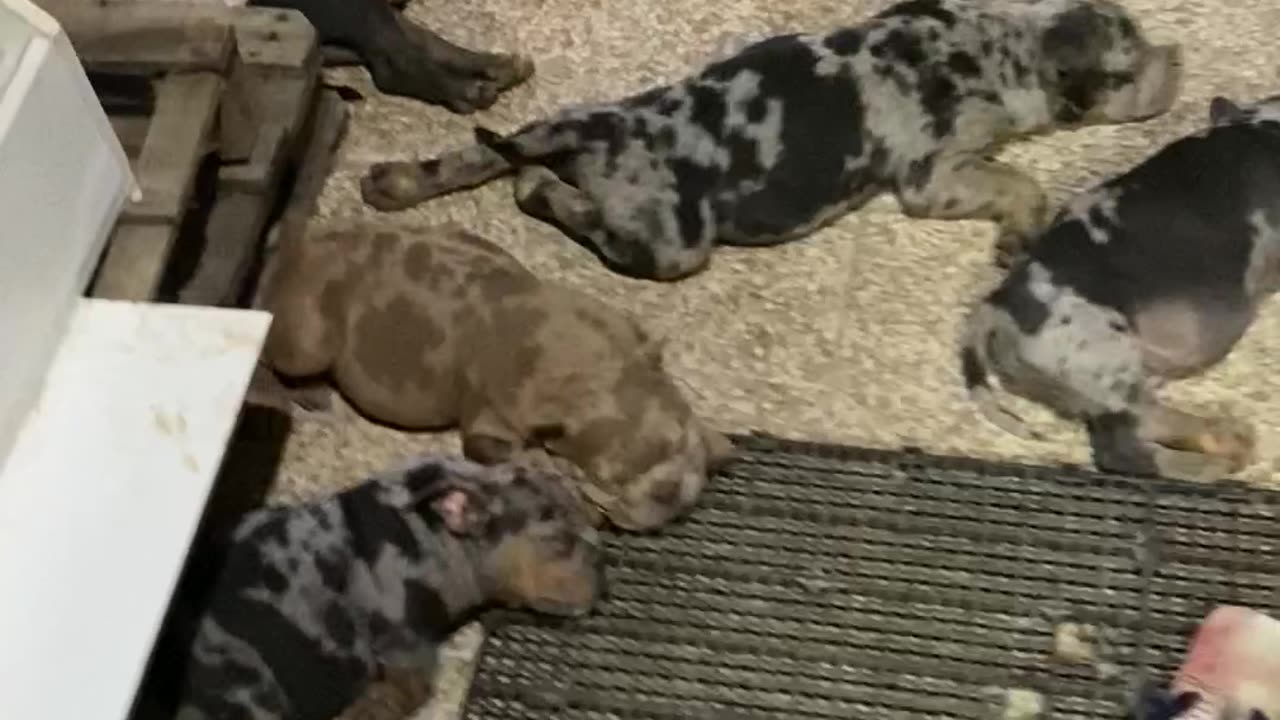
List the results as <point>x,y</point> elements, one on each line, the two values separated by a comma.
<point>790,133</point>
<point>1149,277</point>
<point>316,601</point>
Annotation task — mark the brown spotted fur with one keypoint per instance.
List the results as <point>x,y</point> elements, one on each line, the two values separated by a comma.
<point>439,327</point>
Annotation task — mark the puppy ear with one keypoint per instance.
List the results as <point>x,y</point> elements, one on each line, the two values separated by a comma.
<point>1224,112</point>
<point>459,511</point>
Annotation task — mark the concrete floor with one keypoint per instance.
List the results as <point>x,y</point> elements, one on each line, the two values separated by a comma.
<point>847,336</point>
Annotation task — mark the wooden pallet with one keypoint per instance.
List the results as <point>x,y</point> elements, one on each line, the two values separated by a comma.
<point>186,81</point>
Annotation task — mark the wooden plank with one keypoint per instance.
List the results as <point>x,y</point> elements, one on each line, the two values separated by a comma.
<point>282,55</point>
<point>147,38</point>
<point>329,126</point>
<point>134,262</point>
<point>178,137</point>
<point>238,221</point>
<point>131,130</point>
<point>262,168</point>
<point>273,81</point>
<point>235,225</point>
<point>238,116</point>
<point>279,38</point>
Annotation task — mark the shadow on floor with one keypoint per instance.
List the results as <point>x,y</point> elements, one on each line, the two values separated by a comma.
<point>248,469</point>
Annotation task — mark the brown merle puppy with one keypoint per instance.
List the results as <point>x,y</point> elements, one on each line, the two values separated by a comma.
<point>316,601</point>
<point>407,59</point>
<point>791,132</point>
<point>437,328</point>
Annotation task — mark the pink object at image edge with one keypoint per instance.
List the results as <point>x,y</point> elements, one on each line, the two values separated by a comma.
<point>1234,658</point>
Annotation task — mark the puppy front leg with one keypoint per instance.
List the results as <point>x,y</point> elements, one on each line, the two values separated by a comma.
<point>966,187</point>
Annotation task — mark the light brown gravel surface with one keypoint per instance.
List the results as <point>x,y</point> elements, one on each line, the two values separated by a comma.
<point>847,336</point>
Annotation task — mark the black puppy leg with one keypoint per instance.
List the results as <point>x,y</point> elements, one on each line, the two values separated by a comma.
<point>399,60</point>
<point>543,195</point>
<point>501,70</point>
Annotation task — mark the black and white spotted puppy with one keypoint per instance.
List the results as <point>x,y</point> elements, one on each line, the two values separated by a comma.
<point>1149,277</point>
<point>791,132</point>
<point>316,601</point>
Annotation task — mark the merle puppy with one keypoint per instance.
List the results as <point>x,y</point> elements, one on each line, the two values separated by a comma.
<point>1151,276</point>
<point>316,601</point>
<point>790,133</point>
<point>407,59</point>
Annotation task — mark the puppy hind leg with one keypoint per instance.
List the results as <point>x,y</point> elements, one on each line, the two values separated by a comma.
<point>967,187</point>
<point>399,184</point>
<point>543,195</point>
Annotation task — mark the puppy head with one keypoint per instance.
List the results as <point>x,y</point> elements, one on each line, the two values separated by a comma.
<point>646,456</point>
<point>1223,111</point>
<point>535,546</point>
<point>1099,68</point>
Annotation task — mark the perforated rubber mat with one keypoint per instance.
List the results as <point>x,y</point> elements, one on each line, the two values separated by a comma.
<point>823,582</point>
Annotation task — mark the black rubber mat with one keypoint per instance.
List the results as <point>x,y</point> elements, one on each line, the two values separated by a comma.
<point>817,582</point>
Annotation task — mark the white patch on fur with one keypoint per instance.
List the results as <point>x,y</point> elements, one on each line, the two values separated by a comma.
<point>1080,208</point>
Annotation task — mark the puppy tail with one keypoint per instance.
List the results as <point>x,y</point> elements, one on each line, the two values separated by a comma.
<point>975,364</point>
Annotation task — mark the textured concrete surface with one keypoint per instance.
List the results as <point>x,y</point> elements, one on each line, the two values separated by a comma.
<point>847,336</point>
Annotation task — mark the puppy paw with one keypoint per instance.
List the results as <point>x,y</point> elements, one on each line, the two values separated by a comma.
<point>465,96</point>
<point>478,84</point>
<point>1188,465</point>
<point>1010,247</point>
<point>1233,440</point>
<point>392,186</point>
<point>507,71</point>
